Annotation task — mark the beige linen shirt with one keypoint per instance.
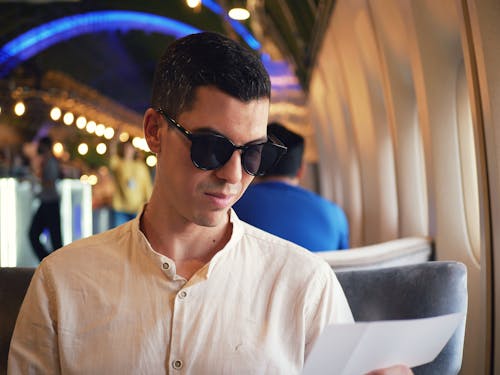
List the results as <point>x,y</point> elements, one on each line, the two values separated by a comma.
<point>110,304</point>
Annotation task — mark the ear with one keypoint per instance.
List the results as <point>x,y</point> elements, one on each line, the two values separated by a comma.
<point>301,171</point>
<point>152,126</point>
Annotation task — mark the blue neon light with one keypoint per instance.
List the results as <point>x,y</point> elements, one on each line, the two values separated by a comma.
<point>39,38</point>
<point>213,6</point>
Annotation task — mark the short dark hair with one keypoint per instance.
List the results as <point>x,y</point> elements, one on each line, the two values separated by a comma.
<point>207,59</point>
<point>290,163</point>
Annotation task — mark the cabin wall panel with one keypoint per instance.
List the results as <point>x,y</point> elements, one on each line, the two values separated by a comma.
<point>397,65</point>
<point>340,136</point>
<point>484,18</point>
<point>436,59</point>
<point>399,92</point>
<point>368,120</point>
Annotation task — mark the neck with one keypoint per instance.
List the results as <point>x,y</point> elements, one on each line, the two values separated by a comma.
<point>186,242</point>
<point>285,179</point>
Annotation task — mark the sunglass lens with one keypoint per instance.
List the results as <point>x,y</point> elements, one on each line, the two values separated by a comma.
<point>210,151</point>
<point>264,157</point>
<point>252,158</point>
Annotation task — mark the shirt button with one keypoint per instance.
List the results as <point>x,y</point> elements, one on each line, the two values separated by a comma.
<point>183,294</point>
<point>166,266</point>
<point>177,364</point>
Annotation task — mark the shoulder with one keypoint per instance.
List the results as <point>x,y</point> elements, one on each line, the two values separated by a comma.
<point>326,204</point>
<point>93,251</point>
<point>268,186</point>
<point>276,251</point>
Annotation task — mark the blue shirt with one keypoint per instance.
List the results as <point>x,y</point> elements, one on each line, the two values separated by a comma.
<point>296,214</point>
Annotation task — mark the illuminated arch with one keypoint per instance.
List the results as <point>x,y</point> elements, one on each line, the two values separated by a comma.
<point>39,38</point>
<point>42,37</point>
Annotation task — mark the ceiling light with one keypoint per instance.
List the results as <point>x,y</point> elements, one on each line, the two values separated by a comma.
<point>193,3</point>
<point>239,14</point>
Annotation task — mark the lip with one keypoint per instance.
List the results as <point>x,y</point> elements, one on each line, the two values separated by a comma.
<point>220,200</point>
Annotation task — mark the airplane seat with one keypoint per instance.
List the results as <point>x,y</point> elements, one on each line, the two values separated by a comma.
<point>14,283</point>
<point>398,252</point>
<point>409,292</point>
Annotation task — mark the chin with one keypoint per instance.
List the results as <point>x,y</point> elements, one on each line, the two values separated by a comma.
<point>212,219</point>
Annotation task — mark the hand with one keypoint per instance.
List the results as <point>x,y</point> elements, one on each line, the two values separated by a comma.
<point>393,370</point>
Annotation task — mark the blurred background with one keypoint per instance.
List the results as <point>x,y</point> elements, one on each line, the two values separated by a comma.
<point>81,72</point>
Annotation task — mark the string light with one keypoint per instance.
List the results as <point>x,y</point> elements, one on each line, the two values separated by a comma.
<point>99,130</point>
<point>124,137</point>
<point>68,118</point>
<point>83,148</point>
<point>91,125</point>
<point>141,144</point>
<point>55,113</point>
<point>81,122</point>
<point>136,142</point>
<point>151,160</point>
<point>58,149</point>
<point>109,133</point>
<point>92,179</point>
<point>101,148</point>
<point>19,108</point>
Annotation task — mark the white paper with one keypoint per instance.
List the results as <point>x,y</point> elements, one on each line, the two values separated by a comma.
<point>357,348</point>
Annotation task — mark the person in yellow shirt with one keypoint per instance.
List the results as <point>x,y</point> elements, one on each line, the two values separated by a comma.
<point>133,183</point>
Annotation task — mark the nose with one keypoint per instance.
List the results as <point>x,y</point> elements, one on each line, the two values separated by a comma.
<point>232,171</point>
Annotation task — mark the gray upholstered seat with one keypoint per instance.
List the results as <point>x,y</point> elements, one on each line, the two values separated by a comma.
<point>13,285</point>
<point>412,291</point>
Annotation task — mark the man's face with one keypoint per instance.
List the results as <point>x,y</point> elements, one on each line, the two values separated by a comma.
<point>192,195</point>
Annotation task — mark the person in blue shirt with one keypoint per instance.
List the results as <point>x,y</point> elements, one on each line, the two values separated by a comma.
<point>277,204</point>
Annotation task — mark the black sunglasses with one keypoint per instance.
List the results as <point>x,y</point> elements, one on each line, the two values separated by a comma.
<point>211,151</point>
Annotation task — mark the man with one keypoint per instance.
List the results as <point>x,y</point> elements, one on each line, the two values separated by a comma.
<point>185,287</point>
<point>47,215</point>
<point>277,204</point>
